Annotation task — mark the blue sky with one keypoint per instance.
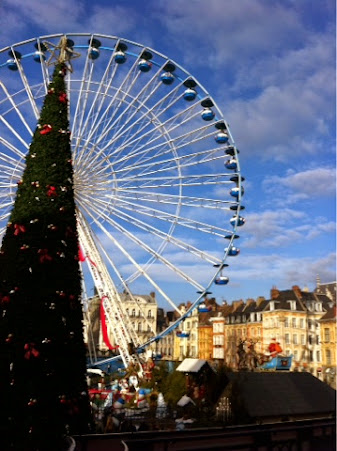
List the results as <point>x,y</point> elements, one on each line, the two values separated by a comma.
<point>270,66</point>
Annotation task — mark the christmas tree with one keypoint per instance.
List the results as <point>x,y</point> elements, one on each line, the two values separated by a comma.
<point>42,353</point>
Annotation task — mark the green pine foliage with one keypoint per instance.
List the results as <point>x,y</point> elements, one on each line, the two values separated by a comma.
<point>42,352</point>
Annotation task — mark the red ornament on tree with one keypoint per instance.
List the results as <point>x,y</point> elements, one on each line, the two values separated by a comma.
<point>46,128</point>
<point>31,351</point>
<point>51,191</point>
<point>63,97</point>
<point>18,228</point>
<point>44,256</point>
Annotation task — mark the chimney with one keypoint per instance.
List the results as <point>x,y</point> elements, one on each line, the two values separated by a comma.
<point>297,290</point>
<point>236,304</point>
<point>259,300</point>
<point>274,293</point>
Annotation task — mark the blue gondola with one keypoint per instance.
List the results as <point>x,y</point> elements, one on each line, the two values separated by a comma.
<point>12,63</point>
<point>236,191</point>
<point>221,280</point>
<point>190,94</point>
<point>181,334</point>
<point>94,48</point>
<point>208,114</point>
<point>232,251</point>
<point>120,57</point>
<point>144,65</point>
<point>231,164</point>
<point>93,53</point>
<point>221,137</point>
<point>167,78</point>
<point>238,220</point>
<point>203,308</point>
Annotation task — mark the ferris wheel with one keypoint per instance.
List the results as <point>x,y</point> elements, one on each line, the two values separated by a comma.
<point>157,178</point>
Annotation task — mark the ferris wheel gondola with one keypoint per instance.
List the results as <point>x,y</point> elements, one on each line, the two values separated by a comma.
<point>147,140</point>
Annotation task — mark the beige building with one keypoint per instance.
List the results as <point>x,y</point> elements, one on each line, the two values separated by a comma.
<point>328,341</point>
<point>186,336</point>
<point>293,318</point>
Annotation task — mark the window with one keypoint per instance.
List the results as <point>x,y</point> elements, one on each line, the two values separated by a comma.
<point>218,353</point>
<point>296,355</point>
<point>139,327</point>
<point>295,339</point>
<point>318,356</point>
<point>218,340</point>
<point>133,313</point>
<point>188,325</point>
<point>310,339</point>
<point>149,314</point>
<point>286,322</point>
<point>326,335</point>
<point>328,356</point>
<point>302,339</point>
<point>218,327</point>
<point>287,339</point>
<point>293,322</point>
<point>302,323</point>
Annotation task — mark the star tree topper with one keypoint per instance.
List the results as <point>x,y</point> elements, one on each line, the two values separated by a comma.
<point>61,53</point>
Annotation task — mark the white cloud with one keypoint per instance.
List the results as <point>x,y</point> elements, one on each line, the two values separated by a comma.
<point>308,184</point>
<point>286,271</point>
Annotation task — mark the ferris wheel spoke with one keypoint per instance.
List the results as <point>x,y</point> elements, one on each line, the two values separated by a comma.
<point>132,106</point>
<point>161,198</point>
<point>158,151</point>
<point>175,219</point>
<point>14,133</point>
<point>185,161</point>
<point>103,127</point>
<point>161,106</point>
<point>154,133</point>
<point>146,135</point>
<point>182,181</point>
<point>150,250</point>
<point>163,235</point>
<point>16,108</point>
<point>131,259</point>
<point>82,101</point>
<point>27,88</point>
<point>95,114</point>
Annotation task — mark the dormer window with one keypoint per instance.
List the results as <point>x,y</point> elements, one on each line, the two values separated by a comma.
<point>271,305</point>
<point>292,304</point>
<point>319,307</point>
